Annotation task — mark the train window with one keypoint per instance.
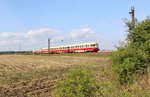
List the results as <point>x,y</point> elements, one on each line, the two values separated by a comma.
<point>66,47</point>
<point>93,45</point>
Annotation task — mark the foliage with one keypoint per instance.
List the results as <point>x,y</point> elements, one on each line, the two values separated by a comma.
<point>133,57</point>
<point>78,83</point>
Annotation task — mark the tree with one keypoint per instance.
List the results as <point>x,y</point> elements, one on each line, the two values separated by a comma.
<point>133,57</point>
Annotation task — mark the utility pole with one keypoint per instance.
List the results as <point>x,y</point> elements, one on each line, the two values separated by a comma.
<point>132,13</point>
<point>48,45</point>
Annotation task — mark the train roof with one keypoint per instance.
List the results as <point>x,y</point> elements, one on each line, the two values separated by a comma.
<point>73,45</point>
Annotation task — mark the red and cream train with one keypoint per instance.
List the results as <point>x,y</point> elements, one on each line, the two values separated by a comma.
<point>84,47</point>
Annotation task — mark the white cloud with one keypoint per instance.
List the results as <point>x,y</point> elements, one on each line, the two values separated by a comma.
<point>37,38</point>
<point>42,32</point>
<point>85,32</point>
<point>11,35</point>
<point>76,35</point>
<point>2,43</point>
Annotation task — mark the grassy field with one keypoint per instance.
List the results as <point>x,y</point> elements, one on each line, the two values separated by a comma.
<point>36,75</point>
<point>25,75</point>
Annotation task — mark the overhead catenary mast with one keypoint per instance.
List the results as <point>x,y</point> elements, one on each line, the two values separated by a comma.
<point>48,45</point>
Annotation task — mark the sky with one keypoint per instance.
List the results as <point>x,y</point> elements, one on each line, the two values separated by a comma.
<point>27,24</point>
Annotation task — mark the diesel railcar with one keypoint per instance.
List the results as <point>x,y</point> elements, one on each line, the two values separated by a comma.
<point>76,48</point>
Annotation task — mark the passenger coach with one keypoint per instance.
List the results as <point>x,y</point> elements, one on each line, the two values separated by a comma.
<point>84,47</point>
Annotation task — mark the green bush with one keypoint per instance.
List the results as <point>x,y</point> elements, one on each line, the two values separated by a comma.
<point>133,57</point>
<point>77,83</point>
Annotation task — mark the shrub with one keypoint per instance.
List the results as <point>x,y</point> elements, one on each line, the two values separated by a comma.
<point>77,83</point>
<point>133,57</point>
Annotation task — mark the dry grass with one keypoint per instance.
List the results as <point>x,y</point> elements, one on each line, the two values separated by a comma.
<point>36,75</point>
<point>26,75</point>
